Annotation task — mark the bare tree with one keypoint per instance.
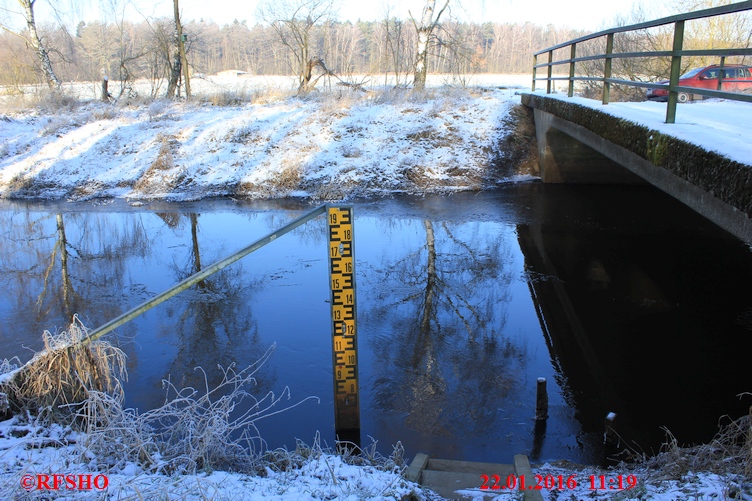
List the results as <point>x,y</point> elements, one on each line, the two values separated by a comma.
<point>393,47</point>
<point>179,63</point>
<point>293,22</point>
<point>425,30</point>
<point>35,42</point>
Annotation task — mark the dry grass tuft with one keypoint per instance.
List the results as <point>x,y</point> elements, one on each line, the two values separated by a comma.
<point>154,179</point>
<point>278,184</point>
<point>65,373</point>
<point>730,451</point>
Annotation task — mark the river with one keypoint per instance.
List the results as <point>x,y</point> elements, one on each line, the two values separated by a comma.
<point>622,298</point>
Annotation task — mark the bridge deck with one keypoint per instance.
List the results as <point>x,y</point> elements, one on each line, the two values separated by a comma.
<point>715,124</point>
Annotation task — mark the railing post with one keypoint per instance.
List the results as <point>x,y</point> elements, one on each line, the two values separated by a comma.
<point>535,70</point>
<point>673,95</point>
<point>607,68</point>
<point>550,71</point>
<point>573,54</point>
<point>720,73</point>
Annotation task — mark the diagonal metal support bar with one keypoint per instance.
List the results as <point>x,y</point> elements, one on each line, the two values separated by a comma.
<point>201,275</point>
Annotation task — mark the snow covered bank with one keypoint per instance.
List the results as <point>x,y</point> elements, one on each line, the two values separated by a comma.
<point>328,145</point>
<point>27,471</point>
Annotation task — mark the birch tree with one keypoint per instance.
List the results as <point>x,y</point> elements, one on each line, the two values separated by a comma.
<point>428,23</point>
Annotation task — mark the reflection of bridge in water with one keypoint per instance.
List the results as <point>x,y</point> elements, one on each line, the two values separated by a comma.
<point>636,319</point>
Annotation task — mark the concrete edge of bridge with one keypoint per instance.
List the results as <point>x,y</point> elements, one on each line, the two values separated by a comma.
<point>452,479</point>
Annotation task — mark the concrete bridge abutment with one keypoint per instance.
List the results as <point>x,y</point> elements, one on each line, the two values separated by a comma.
<point>581,144</point>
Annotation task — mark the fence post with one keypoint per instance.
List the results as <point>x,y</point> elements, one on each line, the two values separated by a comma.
<point>541,400</point>
<point>573,54</point>
<point>535,70</point>
<point>720,72</point>
<point>607,68</point>
<point>673,95</point>
<point>550,71</point>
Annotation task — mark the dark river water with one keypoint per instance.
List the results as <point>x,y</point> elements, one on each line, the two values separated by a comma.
<point>625,300</point>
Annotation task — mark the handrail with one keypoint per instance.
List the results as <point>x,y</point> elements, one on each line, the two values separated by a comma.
<point>676,54</point>
<point>199,276</point>
<point>698,14</point>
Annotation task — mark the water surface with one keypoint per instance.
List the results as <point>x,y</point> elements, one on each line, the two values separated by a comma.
<point>621,297</point>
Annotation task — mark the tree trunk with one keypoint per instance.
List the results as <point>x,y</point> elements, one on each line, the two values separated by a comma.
<point>172,86</point>
<point>424,31</point>
<point>421,59</point>
<point>177,60</point>
<point>181,48</point>
<point>36,44</point>
<point>105,91</point>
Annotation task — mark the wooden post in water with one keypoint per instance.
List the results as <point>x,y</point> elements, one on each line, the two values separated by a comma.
<point>344,332</point>
<point>609,435</point>
<point>541,400</point>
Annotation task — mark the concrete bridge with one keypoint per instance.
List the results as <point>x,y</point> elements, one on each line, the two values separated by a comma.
<point>585,144</point>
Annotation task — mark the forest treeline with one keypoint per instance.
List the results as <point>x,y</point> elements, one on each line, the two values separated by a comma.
<point>127,50</point>
<point>302,38</point>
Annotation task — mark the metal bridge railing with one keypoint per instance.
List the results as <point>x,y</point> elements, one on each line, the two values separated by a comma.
<point>675,54</point>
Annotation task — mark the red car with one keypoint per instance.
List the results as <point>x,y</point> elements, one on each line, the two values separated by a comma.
<point>736,78</point>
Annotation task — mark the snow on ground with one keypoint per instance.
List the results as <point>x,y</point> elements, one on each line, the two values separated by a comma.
<point>64,470</point>
<point>328,145</point>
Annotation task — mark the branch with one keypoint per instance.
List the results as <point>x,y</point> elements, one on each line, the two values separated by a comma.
<point>10,31</point>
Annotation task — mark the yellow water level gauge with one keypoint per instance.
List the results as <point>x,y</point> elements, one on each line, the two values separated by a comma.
<point>344,320</point>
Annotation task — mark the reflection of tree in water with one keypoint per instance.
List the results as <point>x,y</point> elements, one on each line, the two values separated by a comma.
<point>215,326</point>
<point>56,265</point>
<point>67,296</point>
<point>445,362</point>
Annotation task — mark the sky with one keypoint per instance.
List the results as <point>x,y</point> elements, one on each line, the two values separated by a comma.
<point>590,15</point>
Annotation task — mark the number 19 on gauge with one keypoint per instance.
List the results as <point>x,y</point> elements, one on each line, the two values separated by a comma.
<point>344,326</point>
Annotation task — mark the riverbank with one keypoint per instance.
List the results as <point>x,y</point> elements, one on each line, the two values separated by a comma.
<point>28,471</point>
<point>329,146</point>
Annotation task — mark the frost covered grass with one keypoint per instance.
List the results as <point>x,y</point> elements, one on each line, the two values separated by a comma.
<point>718,470</point>
<point>730,452</point>
<point>262,143</point>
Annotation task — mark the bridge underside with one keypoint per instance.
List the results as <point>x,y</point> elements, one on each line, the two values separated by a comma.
<point>564,159</point>
<point>577,144</point>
